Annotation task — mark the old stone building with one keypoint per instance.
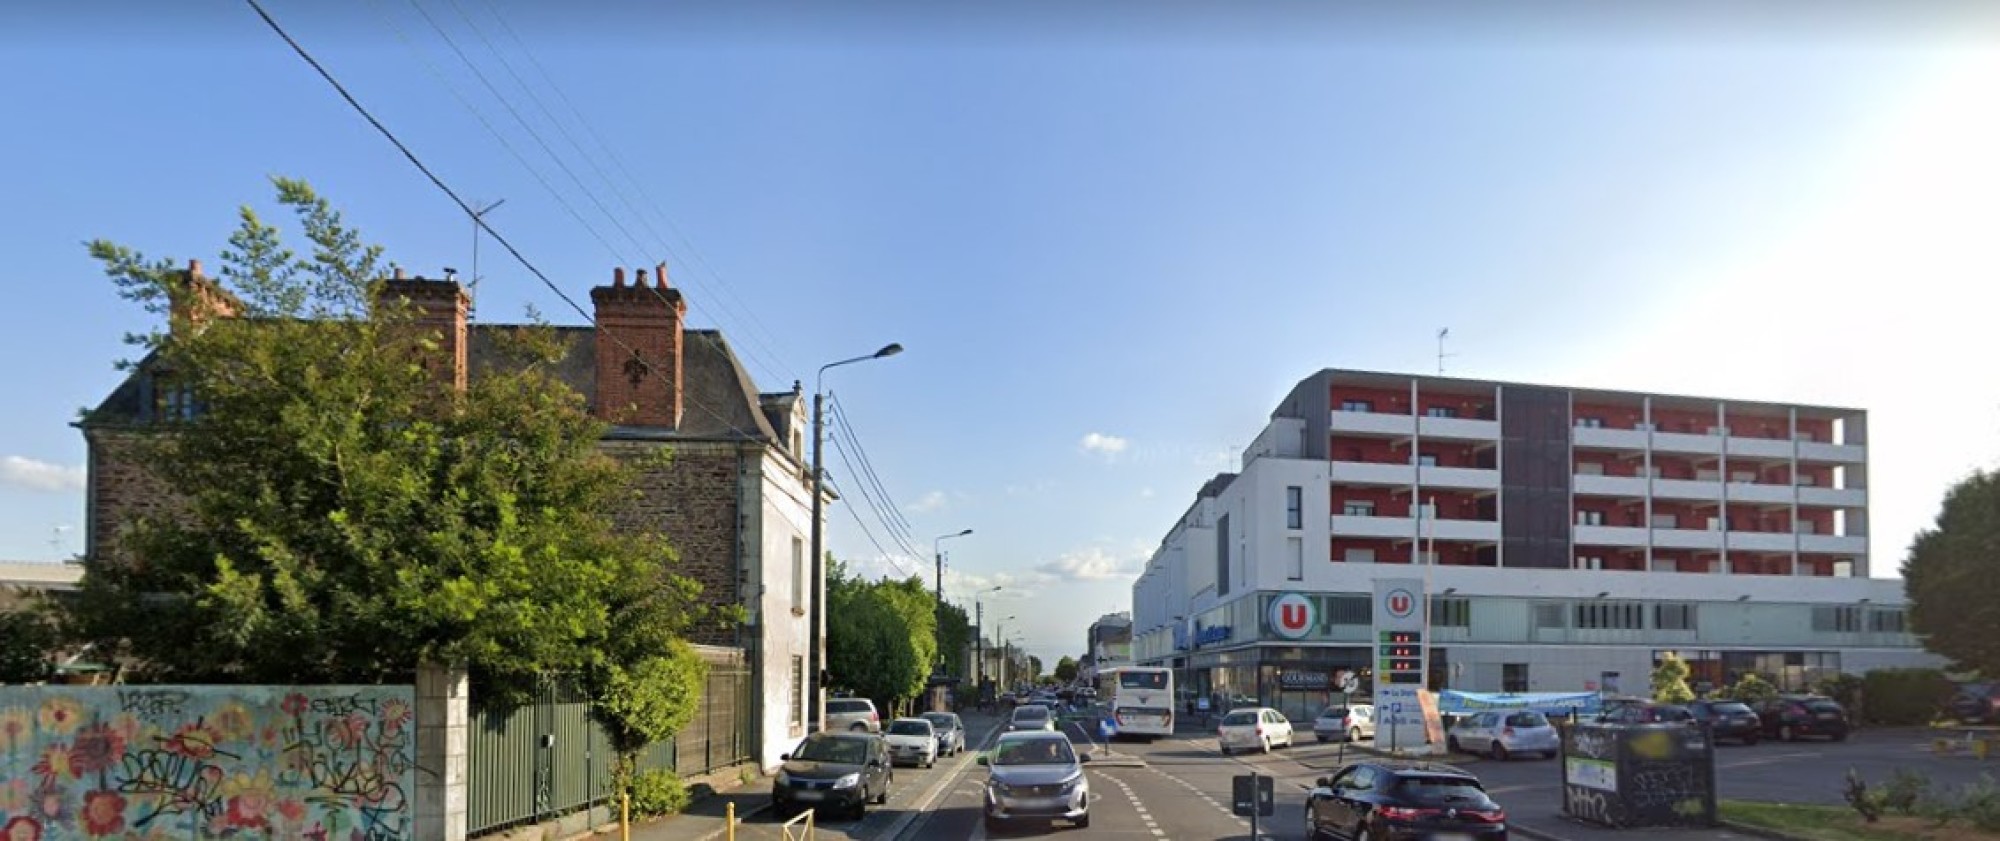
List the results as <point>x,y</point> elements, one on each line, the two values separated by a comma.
<point>734,499</point>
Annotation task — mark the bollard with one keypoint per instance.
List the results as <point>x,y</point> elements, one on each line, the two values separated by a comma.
<point>729,819</point>
<point>625,816</point>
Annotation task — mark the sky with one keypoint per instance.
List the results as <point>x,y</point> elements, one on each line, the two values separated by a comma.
<point>1110,236</point>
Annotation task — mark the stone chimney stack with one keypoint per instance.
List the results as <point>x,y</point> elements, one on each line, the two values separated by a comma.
<point>438,308</point>
<point>196,299</point>
<point>639,333</point>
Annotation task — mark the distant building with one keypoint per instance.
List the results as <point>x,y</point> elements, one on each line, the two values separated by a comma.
<point>1570,537</point>
<point>20,580</point>
<point>1107,645</point>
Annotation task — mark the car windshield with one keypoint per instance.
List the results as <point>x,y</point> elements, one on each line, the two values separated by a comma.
<point>1142,680</point>
<point>841,750</point>
<point>1030,714</point>
<point>1731,708</point>
<point>1438,790</point>
<point>1034,752</point>
<point>847,706</point>
<point>1527,720</point>
<point>941,721</point>
<point>910,728</point>
<point>1238,719</point>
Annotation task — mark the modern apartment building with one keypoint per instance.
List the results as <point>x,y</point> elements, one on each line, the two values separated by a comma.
<point>1569,537</point>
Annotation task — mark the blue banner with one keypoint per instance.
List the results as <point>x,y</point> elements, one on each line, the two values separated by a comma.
<point>1546,703</point>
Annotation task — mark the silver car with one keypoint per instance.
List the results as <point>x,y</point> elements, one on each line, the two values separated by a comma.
<point>1036,775</point>
<point>1503,734</point>
<point>1031,717</point>
<point>950,732</point>
<point>1351,722</point>
<point>852,714</point>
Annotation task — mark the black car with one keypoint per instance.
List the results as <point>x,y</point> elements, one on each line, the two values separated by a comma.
<point>1788,717</point>
<point>838,771</point>
<point>1977,703</point>
<point>1729,720</point>
<point>1648,713</point>
<point>1399,801</point>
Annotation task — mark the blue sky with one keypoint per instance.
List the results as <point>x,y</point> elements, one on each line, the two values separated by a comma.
<point>1136,223</point>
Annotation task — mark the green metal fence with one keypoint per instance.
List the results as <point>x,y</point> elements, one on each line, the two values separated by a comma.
<point>549,758</point>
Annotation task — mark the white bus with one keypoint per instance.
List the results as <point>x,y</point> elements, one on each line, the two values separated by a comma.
<point>1141,700</point>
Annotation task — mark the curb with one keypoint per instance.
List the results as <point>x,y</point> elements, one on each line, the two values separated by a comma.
<point>1526,831</point>
<point>740,818</point>
<point>1758,831</point>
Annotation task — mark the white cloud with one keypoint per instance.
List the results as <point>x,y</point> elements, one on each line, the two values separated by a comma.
<point>1091,564</point>
<point>1108,446</point>
<point>933,501</point>
<point>1146,493</point>
<point>20,472</point>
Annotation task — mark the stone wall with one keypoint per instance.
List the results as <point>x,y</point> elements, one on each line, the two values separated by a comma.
<point>121,490</point>
<point>694,501</point>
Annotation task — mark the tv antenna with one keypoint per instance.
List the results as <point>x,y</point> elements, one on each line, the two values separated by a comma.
<point>1442,356</point>
<point>478,225</point>
<point>56,541</point>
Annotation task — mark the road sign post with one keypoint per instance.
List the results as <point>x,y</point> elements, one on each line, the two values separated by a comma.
<point>1252,796</point>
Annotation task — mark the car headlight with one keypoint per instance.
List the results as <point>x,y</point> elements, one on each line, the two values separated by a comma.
<point>849,781</point>
<point>783,779</point>
<point>1000,787</point>
<point>1072,784</point>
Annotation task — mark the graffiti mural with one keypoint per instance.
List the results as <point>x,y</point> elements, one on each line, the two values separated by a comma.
<point>320,763</point>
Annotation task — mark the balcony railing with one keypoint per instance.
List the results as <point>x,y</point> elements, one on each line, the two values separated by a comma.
<point>1835,453</point>
<point>1458,429</point>
<point>1686,442</point>
<point>1833,544</point>
<point>1610,536</point>
<point>1759,447</point>
<point>1755,492</point>
<point>1372,473</point>
<point>1598,485</point>
<point>1372,423</point>
<point>1592,437</point>
<point>1833,497</point>
<point>1692,489</point>
<point>1460,478</point>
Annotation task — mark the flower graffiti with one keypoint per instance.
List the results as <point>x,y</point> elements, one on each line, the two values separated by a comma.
<point>200,762</point>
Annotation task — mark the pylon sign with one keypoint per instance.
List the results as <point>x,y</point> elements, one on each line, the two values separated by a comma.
<point>1399,656</point>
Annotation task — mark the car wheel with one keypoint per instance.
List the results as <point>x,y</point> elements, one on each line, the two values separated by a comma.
<point>1361,834</point>
<point>1786,733</point>
<point>1451,745</point>
<point>1498,751</point>
<point>1354,735</point>
<point>858,728</point>
<point>1084,821</point>
<point>1225,750</point>
<point>1840,737</point>
<point>1320,737</point>
<point>1267,744</point>
<point>1750,740</point>
<point>992,823</point>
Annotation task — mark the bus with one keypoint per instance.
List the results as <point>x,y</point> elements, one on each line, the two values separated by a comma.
<point>1141,700</point>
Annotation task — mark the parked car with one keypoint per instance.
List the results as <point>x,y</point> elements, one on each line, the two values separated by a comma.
<point>1385,800</point>
<point>856,714</point>
<point>1611,705</point>
<point>1787,717</point>
<point>1729,720</point>
<point>840,772</point>
<point>1031,717</point>
<point>1502,734</point>
<point>1352,722</point>
<point>1976,703</point>
<point>912,740</point>
<point>1649,713</point>
<point>1254,728</point>
<point>950,732</point>
<point>1035,774</point>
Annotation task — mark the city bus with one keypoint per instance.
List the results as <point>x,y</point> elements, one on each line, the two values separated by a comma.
<point>1141,700</point>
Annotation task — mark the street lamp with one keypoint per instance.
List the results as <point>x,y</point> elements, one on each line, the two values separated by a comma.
<point>937,551</point>
<point>817,674</point>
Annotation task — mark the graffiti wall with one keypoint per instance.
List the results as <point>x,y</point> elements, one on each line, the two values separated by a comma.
<point>322,763</point>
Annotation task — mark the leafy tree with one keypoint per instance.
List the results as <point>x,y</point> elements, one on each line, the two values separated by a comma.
<point>1034,668</point>
<point>27,639</point>
<point>1751,689</point>
<point>347,516</point>
<point>1066,669</point>
<point>880,635</point>
<point>1952,576</point>
<point>1670,684</point>
<point>954,638</point>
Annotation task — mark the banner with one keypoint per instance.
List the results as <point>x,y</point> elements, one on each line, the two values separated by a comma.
<point>1558,704</point>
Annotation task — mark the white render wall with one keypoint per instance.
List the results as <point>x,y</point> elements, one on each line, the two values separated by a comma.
<point>785,514</point>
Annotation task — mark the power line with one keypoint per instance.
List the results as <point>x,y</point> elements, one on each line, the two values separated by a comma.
<point>462,205</point>
<point>885,506</point>
<point>886,554</point>
<point>873,505</point>
<point>854,437</point>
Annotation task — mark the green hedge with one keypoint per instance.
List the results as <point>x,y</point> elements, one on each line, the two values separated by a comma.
<point>1904,696</point>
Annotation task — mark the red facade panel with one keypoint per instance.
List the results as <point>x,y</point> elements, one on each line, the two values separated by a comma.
<point>1683,420</point>
<point>1609,415</point>
<point>1392,401</point>
<point>1386,551</point>
<point>1462,405</point>
<point>1370,450</point>
<point>1388,502</point>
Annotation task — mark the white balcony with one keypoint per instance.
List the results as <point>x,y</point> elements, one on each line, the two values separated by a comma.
<point>1477,530</point>
<point>1760,541</point>
<point>1687,539</point>
<point>1594,485</point>
<point>1599,438</point>
<point>1759,447</point>
<point>1370,473</point>
<point>1690,489</point>
<point>1755,492</point>
<point>1458,429</point>
<point>1835,453</point>
<point>1609,536</point>
<point>1399,528</point>
<point>1833,497</point>
<point>1373,423</point>
<point>1459,478</point>
<point>1833,544</point>
<point>1683,442</point>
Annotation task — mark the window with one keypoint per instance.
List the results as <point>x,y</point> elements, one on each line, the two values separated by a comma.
<point>1360,556</point>
<point>1666,521</point>
<point>1743,476</point>
<point>1885,621</point>
<point>1618,616</point>
<point>1590,518</point>
<point>1673,617</point>
<point>1358,508</point>
<point>1590,423</point>
<point>798,704</point>
<point>1805,480</point>
<point>1805,527</point>
<point>798,575</point>
<point>1357,406</point>
<point>1222,555</point>
<point>1441,412</point>
<point>1295,554</point>
<point>1513,677</point>
<point>1451,613</point>
<point>1589,562</point>
<point>1589,468</point>
<point>1836,619</point>
<point>1427,459</point>
<point>1349,610</point>
<point>1549,616</point>
<point>1707,475</point>
<point>1294,507</point>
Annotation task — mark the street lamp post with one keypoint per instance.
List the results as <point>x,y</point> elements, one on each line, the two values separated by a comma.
<point>817,674</point>
<point>937,551</point>
<point>979,639</point>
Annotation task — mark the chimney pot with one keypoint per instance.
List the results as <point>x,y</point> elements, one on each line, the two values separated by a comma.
<point>618,277</point>
<point>400,274</point>
<point>642,277</point>
<point>660,273</point>
<point>194,268</point>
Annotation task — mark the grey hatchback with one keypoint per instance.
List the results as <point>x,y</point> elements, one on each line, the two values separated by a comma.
<point>1036,774</point>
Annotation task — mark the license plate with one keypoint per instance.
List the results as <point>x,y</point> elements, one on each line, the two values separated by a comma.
<point>808,794</point>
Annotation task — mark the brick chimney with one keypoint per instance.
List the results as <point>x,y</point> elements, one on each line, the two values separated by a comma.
<point>639,350</point>
<point>439,308</point>
<point>196,299</point>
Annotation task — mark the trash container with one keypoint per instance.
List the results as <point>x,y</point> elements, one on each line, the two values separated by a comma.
<point>1639,775</point>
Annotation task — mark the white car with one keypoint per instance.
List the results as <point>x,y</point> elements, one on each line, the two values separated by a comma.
<point>1352,723</point>
<point>1254,728</point>
<point>1503,734</point>
<point>912,741</point>
<point>1031,717</point>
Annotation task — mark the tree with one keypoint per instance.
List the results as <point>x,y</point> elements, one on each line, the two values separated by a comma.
<point>954,638</point>
<point>880,635</point>
<point>348,516</point>
<point>1670,685</point>
<point>1066,669</point>
<point>1952,576</point>
<point>1751,689</point>
<point>1034,668</point>
<point>27,639</point>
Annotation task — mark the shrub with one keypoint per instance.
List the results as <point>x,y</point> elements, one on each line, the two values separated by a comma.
<point>1904,696</point>
<point>1670,684</point>
<point>1855,791</point>
<point>1904,791</point>
<point>659,792</point>
<point>1751,689</point>
<point>1843,688</point>
<point>1979,804</point>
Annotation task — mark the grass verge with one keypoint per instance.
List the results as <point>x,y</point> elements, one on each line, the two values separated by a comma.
<point>1840,823</point>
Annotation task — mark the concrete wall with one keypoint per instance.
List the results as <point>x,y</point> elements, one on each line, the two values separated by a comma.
<point>198,762</point>
<point>784,608</point>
